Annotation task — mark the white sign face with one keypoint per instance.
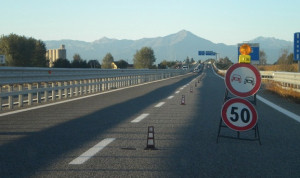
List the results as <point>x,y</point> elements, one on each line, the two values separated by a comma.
<point>239,114</point>
<point>243,79</point>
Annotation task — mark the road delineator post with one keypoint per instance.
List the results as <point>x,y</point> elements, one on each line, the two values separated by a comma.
<point>191,89</point>
<point>150,139</point>
<point>183,100</point>
<point>195,84</point>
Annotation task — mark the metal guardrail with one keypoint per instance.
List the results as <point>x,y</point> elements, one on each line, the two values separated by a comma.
<point>25,85</point>
<point>286,79</point>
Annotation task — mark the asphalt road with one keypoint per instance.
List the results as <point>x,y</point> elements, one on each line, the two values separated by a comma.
<point>96,136</point>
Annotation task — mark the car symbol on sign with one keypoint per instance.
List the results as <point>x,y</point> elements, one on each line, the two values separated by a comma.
<point>236,77</point>
<point>249,80</point>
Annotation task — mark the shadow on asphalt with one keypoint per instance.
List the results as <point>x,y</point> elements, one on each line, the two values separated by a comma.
<point>23,157</point>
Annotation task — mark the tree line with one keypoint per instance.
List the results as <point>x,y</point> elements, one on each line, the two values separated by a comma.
<point>21,51</point>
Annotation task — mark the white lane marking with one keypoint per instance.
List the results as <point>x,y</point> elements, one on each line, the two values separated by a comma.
<point>274,106</point>
<point>159,104</point>
<point>92,151</point>
<point>177,92</point>
<point>170,97</point>
<point>280,109</point>
<point>141,117</point>
<point>181,88</point>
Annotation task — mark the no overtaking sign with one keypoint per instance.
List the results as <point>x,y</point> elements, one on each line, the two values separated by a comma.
<point>242,80</point>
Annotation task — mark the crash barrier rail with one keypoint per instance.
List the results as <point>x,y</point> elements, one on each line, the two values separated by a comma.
<point>285,79</point>
<point>25,85</point>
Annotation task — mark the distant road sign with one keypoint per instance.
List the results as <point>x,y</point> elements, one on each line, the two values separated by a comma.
<point>242,80</point>
<point>239,114</point>
<point>200,53</point>
<point>210,53</point>
<point>254,53</point>
<point>2,59</point>
<point>297,46</point>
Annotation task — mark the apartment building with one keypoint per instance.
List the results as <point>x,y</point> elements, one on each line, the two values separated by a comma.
<point>53,54</point>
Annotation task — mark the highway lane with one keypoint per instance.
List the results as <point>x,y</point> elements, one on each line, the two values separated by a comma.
<point>43,142</point>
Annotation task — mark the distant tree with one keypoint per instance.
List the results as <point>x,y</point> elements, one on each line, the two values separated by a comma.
<point>192,60</point>
<point>187,60</point>
<point>262,57</point>
<point>224,63</point>
<point>62,63</point>
<point>144,58</point>
<point>78,62</point>
<point>106,61</point>
<point>122,64</point>
<point>39,57</point>
<point>94,64</point>
<point>285,61</point>
<point>22,51</point>
<point>167,64</point>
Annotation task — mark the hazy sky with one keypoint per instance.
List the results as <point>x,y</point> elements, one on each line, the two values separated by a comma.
<point>220,21</point>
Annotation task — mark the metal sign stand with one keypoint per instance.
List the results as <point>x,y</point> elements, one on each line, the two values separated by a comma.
<point>238,135</point>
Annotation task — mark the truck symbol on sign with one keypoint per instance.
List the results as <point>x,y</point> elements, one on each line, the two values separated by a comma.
<point>236,77</point>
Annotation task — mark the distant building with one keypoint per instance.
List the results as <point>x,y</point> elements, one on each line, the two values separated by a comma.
<point>53,54</point>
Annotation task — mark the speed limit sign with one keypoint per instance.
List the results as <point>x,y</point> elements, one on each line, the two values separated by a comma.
<point>239,114</point>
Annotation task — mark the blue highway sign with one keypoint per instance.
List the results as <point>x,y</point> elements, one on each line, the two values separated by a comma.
<point>297,46</point>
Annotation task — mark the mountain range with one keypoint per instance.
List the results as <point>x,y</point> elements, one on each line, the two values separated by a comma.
<point>172,47</point>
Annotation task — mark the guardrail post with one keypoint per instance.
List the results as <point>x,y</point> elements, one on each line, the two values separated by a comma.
<point>81,87</point>
<point>10,98</point>
<point>53,92</point>
<point>46,92</point>
<point>76,88</point>
<point>66,89</point>
<point>96,85</point>
<point>30,94</point>
<point>71,88</point>
<point>20,86</point>
<point>0,98</point>
<point>59,90</point>
<point>89,86</point>
<point>38,94</point>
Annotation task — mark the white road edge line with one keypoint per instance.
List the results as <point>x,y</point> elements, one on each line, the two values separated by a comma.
<point>92,151</point>
<point>159,104</point>
<point>177,92</point>
<point>272,105</point>
<point>141,117</point>
<point>280,109</point>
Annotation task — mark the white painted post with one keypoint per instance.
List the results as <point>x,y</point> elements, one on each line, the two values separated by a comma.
<point>30,94</point>
<point>20,86</point>
<point>71,89</point>
<point>53,92</point>
<point>10,98</point>
<point>0,98</point>
<point>66,89</point>
<point>76,88</point>
<point>81,88</point>
<point>59,90</point>
<point>38,94</point>
<point>46,92</point>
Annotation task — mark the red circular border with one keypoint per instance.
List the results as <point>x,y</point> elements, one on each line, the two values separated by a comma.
<point>237,93</point>
<point>250,106</point>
